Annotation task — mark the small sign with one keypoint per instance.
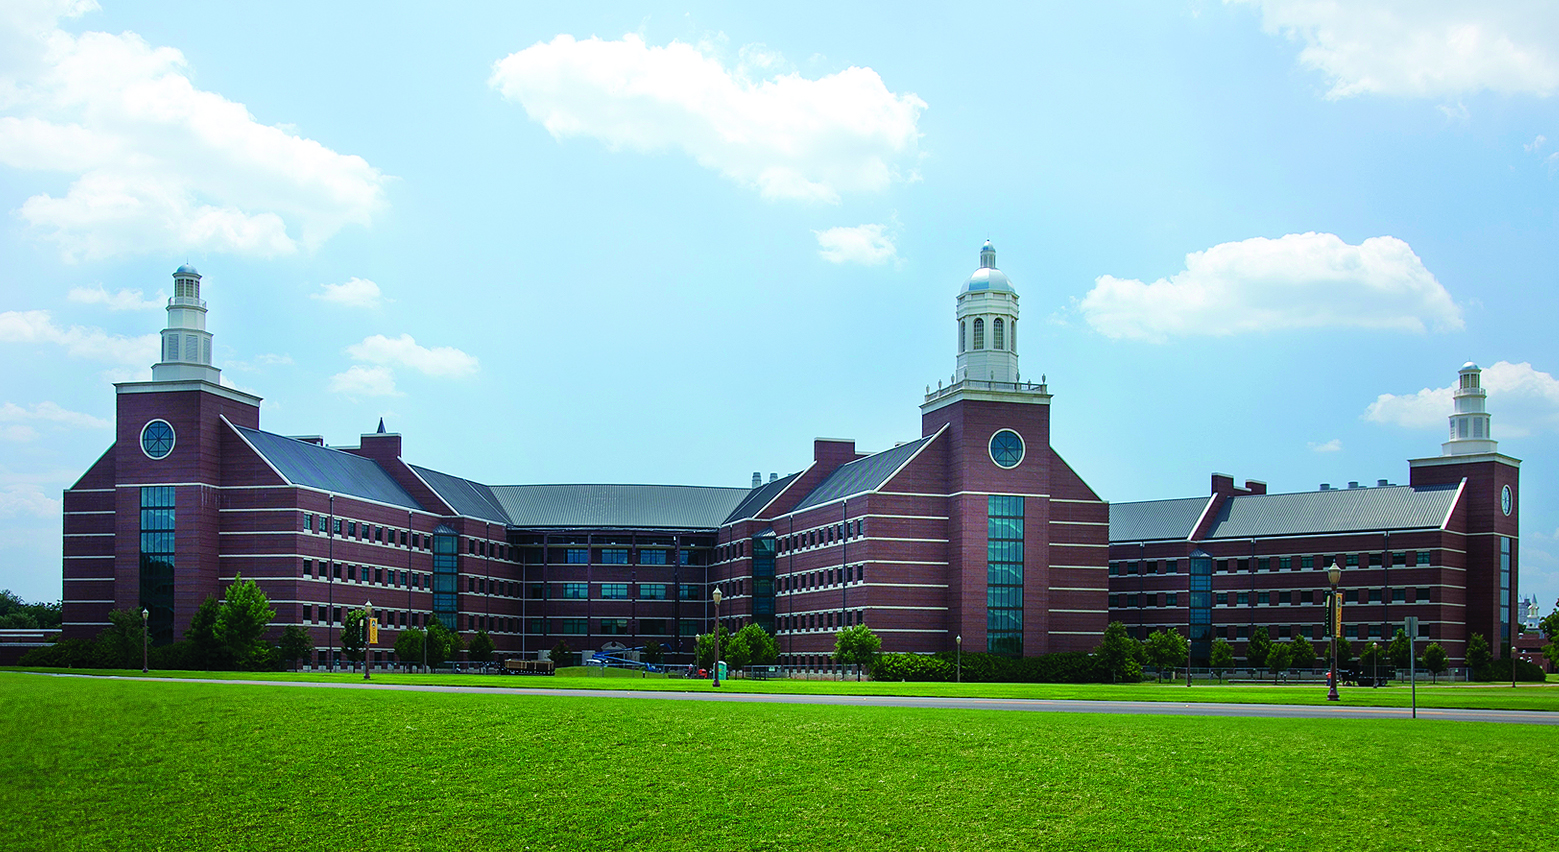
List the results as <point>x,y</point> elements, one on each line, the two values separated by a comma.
<point>1410,626</point>
<point>1337,616</point>
<point>373,631</point>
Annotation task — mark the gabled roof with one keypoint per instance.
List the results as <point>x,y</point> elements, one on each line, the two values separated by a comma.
<point>862,475</point>
<point>472,499</point>
<point>302,463</point>
<point>760,497</point>
<point>653,506</point>
<point>1397,507</point>
<point>1156,520</point>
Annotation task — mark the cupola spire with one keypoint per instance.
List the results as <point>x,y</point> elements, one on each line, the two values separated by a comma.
<point>186,345</point>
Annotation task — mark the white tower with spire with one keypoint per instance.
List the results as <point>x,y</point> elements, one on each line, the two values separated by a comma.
<point>987,324</point>
<point>1470,432</point>
<point>186,345</point>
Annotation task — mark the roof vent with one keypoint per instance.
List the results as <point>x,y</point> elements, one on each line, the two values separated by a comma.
<point>1353,484</point>
<point>773,477</point>
<point>1326,486</point>
<point>1381,483</point>
<point>757,479</point>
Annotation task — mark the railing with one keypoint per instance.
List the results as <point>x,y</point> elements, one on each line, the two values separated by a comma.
<point>983,384</point>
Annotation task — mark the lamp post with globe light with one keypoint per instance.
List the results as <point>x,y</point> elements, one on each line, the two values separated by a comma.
<point>960,641</point>
<point>145,613</point>
<point>716,597</point>
<point>1334,574</point>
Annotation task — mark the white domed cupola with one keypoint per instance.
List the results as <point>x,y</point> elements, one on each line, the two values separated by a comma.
<point>988,324</point>
<point>1470,427</point>
<point>186,345</point>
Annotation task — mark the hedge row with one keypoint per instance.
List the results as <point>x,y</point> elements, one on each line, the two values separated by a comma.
<point>1065,667</point>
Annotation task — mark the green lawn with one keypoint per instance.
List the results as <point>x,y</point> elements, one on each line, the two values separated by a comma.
<point>125,764</point>
<point>1532,696</point>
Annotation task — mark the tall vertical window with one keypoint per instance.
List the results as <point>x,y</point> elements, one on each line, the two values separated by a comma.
<point>157,561</point>
<point>1507,588</point>
<point>1004,575</point>
<point>979,333</point>
<point>962,334</point>
<point>764,548</point>
<point>446,555</point>
<point>998,339</point>
<point>1201,607</point>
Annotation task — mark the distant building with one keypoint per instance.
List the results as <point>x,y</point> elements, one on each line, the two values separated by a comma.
<point>1443,548</point>
<point>976,530</point>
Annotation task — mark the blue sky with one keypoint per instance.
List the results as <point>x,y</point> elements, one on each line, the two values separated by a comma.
<point>674,244</point>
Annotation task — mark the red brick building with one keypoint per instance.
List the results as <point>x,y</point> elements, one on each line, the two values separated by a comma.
<point>977,529</point>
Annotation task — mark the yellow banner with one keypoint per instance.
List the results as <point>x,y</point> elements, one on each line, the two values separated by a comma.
<point>1337,616</point>
<point>373,631</point>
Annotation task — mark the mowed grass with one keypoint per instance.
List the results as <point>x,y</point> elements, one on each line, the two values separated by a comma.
<point>1533,696</point>
<point>98,763</point>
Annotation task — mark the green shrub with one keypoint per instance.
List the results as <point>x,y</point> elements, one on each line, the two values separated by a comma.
<point>911,667</point>
<point>1500,670</point>
<point>1066,667</point>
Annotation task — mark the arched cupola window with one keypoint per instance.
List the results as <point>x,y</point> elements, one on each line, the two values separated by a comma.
<point>996,334</point>
<point>961,335</point>
<point>979,333</point>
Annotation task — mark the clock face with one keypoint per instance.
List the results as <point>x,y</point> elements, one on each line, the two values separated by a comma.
<point>157,439</point>
<point>1006,449</point>
<point>1506,500</point>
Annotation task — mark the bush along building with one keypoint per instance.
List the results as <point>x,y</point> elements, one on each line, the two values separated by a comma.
<point>976,530</point>
<point>1443,548</point>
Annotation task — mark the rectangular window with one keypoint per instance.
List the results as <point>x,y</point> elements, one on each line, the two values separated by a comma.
<point>1423,596</point>
<point>1285,563</point>
<point>538,591</point>
<point>1399,595</point>
<point>1423,557</point>
<point>1004,575</point>
<point>652,557</point>
<point>614,626</point>
<point>1353,560</point>
<point>536,626</point>
<point>689,628</point>
<point>614,556</point>
<point>308,521</point>
<point>1263,598</point>
<point>1307,596</point>
<point>652,591</point>
<point>652,626</point>
<point>1307,562</point>
<point>1244,598</point>
<point>1131,600</point>
<point>576,591</point>
<point>1223,598</point>
<point>1285,597</point>
<point>1173,565</point>
<point>1174,599</point>
<point>572,626</point>
<point>578,556</point>
<point>690,592</point>
<point>614,591</point>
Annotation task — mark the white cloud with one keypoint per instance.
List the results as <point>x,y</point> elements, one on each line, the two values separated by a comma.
<point>788,136</point>
<point>1521,401</point>
<point>1296,281</point>
<point>160,165</point>
<point>1536,145</point>
<point>365,381</point>
<point>356,293</point>
<point>405,352</point>
<point>79,341</point>
<point>50,412</point>
<point>1422,48</point>
<point>27,499</point>
<point>870,245</point>
<point>1332,446</point>
<point>121,300</point>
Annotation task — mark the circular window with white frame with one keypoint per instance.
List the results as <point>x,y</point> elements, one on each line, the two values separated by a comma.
<point>157,439</point>
<point>1007,449</point>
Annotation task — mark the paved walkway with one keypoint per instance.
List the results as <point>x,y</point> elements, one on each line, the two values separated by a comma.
<point>1150,708</point>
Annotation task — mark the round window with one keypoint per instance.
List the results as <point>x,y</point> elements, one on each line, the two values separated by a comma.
<point>1006,448</point>
<point>157,439</point>
<point>1506,501</point>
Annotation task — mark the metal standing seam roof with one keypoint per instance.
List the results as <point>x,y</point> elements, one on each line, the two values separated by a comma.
<point>1340,510</point>
<point>1156,520</point>
<point>861,475</point>
<point>619,506</point>
<point>472,499</point>
<point>302,463</point>
<point>759,498</point>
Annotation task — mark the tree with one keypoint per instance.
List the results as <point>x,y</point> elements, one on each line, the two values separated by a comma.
<point>562,655</point>
<point>1222,658</point>
<point>857,646</point>
<point>653,653</point>
<point>408,647</point>
<point>1167,649</point>
<point>442,644</point>
<point>1344,651</point>
<point>1301,653</point>
<point>1550,627</point>
<point>1258,648</point>
<point>242,621</point>
<point>1400,651</point>
<point>202,634</point>
<point>120,642</point>
<point>1478,653</point>
<point>481,649</point>
<point>354,635</point>
<point>705,649</point>
<point>1117,649</point>
<point>762,648</point>
<point>1277,658</point>
<point>1436,660</point>
<point>17,614</point>
<point>295,644</point>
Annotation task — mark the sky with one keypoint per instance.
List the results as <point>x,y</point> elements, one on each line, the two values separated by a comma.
<point>673,244</point>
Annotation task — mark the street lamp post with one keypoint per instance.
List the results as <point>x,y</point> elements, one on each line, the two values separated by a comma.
<point>368,616</point>
<point>1334,574</point>
<point>145,614</point>
<point>716,597</point>
<point>960,642</point>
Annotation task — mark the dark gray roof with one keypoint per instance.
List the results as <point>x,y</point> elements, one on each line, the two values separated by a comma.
<point>1156,520</point>
<point>1397,507</point>
<point>308,464</point>
<point>653,506</point>
<point>861,475</point>
<point>760,497</point>
<point>472,499</point>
